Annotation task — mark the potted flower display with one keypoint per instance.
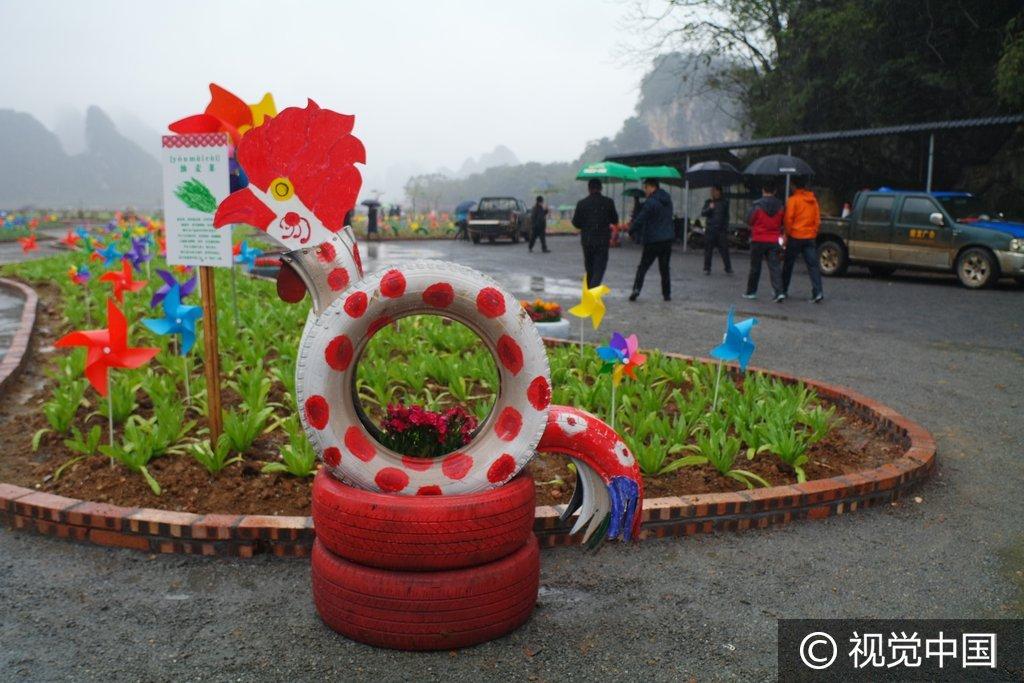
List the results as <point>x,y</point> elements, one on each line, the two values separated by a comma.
<point>548,317</point>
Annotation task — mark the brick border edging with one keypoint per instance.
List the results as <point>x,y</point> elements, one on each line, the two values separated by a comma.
<point>163,531</point>
<point>17,353</point>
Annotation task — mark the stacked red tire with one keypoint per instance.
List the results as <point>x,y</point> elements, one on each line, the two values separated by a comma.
<point>424,572</point>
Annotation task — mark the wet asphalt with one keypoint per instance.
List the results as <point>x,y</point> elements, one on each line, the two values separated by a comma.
<point>704,607</point>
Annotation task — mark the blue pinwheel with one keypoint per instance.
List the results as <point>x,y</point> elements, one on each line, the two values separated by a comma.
<point>185,288</point>
<point>736,344</point>
<point>109,254</point>
<point>247,255</point>
<point>83,234</point>
<point>178,319</point>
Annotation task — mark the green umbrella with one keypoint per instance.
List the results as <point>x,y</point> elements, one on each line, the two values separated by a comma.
<point>607,170</point>
<point>659,172</point>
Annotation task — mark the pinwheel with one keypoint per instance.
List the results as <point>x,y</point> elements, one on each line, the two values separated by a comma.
<point>185,288</point>
<point>107,349</point>
<point>122,282</point>
<point>178,319</point>
<point>109,254</point>
<point>736,345</point>
<point>620,357</point>
<point>28,243</point>
<point>83,234</point>
<point>139,253</point>
<point>70,240</point>
<point>246,255</point>
<point>590,306</point>
<point>79,275</point>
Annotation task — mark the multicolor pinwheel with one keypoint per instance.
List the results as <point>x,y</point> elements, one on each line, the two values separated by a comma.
<point>107,349</point>
<point>28,243</point>
<point>122,282</point>
<point>109,254</point>
<point>736,345</point>
<point>185,288</point>
<point>178,319</point>
<point>246,255</point>
<point>80,275</point>
<point>590,306</point>
<point>620,357</point>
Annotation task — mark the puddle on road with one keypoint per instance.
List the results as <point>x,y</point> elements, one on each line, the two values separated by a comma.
<point>563,596</point>
<point>540,285</point>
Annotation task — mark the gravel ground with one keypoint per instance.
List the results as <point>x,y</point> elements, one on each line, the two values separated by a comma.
<point>703,607</point>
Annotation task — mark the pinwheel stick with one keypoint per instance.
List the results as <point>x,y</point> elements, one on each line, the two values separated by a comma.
<point>234,296</point>
<point>582,328</point>
<point>613,405</point>
<point>718,380</point>
<point>110,415</point>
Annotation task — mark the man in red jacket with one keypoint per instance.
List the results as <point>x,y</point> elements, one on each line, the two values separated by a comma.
<point>765,221</point>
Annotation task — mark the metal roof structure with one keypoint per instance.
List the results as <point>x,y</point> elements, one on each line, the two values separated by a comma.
<point>677,156</point>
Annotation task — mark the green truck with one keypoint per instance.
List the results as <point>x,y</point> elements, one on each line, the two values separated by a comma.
<point>952,232</point>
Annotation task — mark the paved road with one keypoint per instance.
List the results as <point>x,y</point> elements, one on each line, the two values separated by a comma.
<point>704,607</point>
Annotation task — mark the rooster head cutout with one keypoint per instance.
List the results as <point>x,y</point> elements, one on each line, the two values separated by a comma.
<point>302,182</point>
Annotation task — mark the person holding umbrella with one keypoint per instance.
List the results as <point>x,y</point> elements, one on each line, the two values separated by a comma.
<point>765,221</point>
<point>653,228</point>
<point>802,221</point>
<point>594,217</point>
<point>716,234</point>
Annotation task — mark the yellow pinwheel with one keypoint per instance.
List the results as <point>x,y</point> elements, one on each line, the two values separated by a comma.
<point>590,305</point>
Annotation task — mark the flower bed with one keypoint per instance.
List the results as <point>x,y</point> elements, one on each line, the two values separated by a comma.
<point>762,431</point>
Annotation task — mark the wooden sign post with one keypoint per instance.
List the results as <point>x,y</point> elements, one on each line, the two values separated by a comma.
<point>211,364</point>
<point>195,180</point>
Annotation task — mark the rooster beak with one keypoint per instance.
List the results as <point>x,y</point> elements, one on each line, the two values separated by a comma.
<point>243,207</point>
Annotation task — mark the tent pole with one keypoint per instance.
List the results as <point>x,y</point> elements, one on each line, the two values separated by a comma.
<point>931,161</point>
<point>686,203</point>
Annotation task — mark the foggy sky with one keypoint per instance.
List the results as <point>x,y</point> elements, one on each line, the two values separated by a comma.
<point>430,82</point>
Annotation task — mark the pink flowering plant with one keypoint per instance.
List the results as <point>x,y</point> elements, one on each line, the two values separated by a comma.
<point>420,433</point>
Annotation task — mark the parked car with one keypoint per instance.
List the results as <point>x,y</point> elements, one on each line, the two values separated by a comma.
<point>496,217</point>
<point>935,231</point>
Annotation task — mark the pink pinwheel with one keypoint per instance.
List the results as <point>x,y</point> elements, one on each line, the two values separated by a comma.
<point>122,282</point>
<point>107,349</point>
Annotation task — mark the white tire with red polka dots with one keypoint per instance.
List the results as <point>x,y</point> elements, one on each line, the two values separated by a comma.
<point>422,533</point>
<point>329,353</point>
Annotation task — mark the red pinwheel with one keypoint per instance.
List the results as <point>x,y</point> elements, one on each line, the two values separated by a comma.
<point>28,243</point>
<point>122,282</point>
<point>107,349</point>
<point>70,240</point>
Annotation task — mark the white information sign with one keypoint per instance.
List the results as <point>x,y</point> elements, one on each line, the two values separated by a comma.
<point>195,181</point>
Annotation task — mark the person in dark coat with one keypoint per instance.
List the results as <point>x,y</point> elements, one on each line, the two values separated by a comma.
<point>539,225</point>
<point>653,228</point>
<point>716,234</point>
<point>371,221</point>
<point>765,221</point>
<point>594,217</point>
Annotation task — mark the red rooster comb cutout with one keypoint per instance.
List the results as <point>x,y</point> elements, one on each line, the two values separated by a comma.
<point>300,162</point>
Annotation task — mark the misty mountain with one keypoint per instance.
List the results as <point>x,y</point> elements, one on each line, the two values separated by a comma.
<point>112,171</point>
<point>499,156</point>
<point>675,107</point>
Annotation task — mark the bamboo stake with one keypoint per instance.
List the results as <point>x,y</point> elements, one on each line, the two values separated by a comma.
<point>211,363</point>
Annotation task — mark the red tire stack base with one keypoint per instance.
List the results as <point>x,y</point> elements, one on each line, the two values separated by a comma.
<point>424,572</point>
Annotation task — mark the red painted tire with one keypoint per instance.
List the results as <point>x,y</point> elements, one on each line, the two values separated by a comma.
<point>328,359</point>
<point>426,610</point>
<point>422,533</point>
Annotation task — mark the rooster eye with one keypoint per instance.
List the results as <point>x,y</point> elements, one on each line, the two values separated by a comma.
<point>281,189</point>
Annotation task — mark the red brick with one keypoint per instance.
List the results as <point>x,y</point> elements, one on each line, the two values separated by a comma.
<point>272,527</point>
<point>161,522</point>
<point>98,515</point>
<point>44,505</point>
<point>214,527</point>
<point>118,540</point>
<point>10,493</point>
<point>820,490</point>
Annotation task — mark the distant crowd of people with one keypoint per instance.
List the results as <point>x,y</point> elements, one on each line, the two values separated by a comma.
<point>779,234</point>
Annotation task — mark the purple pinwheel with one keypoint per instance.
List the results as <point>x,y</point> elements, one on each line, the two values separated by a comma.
<point>185,288</point>
<point>139,253</point>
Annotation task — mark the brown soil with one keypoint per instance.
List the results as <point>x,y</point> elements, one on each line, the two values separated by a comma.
<point>854,445</point>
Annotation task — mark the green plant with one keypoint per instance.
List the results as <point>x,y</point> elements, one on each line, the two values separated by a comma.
<point>61,409</point>
<point>214,459</point>
<point>136,450</point>
<point>297,456</point>
<point>819,421</point>
<point>85,445</point>
<point>718,449</point>
<point>243,427</point>
<point>789,444</point>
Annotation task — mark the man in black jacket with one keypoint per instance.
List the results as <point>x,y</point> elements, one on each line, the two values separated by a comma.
<point>539,225</point>
<point>594,217</point>
<point>716,234</point>
<point>653,228</point>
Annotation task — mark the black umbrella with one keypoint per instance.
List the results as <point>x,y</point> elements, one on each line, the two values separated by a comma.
<point>370,202</point>
<point>778,164</point>
<point>633,192</point>
<point>708,173</point>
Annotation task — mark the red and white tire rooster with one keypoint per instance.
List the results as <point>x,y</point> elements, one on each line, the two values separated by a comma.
<point>302,183</point>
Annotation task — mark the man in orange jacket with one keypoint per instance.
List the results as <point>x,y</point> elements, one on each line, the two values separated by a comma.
<point>802,220</point>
